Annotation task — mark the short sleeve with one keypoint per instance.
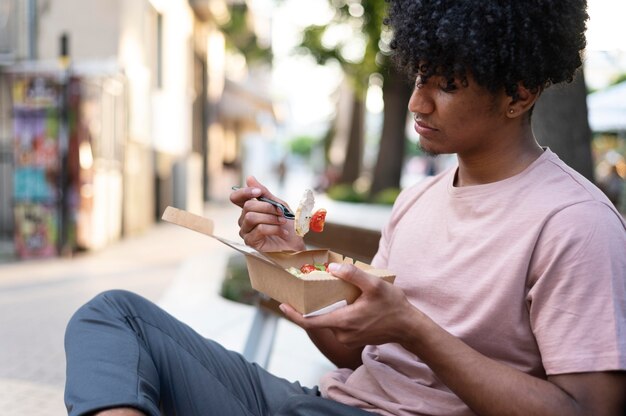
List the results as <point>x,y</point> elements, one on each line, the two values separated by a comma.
<point>577,290</point>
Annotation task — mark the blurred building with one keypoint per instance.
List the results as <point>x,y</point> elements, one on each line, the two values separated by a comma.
<point>154,121</point>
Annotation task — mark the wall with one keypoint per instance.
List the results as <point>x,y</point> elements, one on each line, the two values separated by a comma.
<point>93,26</point>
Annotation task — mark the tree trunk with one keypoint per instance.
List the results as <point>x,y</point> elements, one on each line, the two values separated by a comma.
<point>390,161</point>
<point>560,122</point>
<point>356,137</point>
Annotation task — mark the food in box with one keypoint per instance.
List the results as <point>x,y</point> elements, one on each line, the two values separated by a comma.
<point>305,294</point>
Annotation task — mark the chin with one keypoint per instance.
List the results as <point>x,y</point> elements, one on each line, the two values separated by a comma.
<point>428,151</point>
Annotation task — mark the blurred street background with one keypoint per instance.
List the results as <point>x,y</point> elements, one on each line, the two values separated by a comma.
<point>112,110</point>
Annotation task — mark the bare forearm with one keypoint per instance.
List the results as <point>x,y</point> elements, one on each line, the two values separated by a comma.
<point>337,353</point>
<point>485,385</point>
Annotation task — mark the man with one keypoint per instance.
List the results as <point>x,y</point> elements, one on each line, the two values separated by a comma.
<point>510,290</point>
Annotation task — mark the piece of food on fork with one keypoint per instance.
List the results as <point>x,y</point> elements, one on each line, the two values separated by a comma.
<point>306,220</point>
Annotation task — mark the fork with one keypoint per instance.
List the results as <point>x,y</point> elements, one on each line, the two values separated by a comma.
<point>284,210</point>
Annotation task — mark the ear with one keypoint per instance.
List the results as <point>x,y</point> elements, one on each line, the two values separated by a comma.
<point>523,103</point>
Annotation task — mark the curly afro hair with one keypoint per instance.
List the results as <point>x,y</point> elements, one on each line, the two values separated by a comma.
<point>500,43</point>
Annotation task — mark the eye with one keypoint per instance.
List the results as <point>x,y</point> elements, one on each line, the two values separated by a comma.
<point>448,85</point>
<point>419,82</point>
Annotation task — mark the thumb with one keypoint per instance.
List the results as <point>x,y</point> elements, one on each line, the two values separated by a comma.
<point>352,274</point>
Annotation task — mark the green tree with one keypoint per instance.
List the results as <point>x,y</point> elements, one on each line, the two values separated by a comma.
<point>391,151</point>
<point>241,37</point>
<point>364,31</point>
<point>619,79</point>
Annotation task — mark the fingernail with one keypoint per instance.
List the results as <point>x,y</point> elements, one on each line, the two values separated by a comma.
<point>282,308</point>
<point>334,267</point>
<point>256,191</point>
<point>282,220</point>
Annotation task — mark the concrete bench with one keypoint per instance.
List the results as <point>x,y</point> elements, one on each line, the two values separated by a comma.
<point>355,242</point>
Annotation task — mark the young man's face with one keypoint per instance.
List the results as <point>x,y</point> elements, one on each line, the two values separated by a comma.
<point>455,117</point>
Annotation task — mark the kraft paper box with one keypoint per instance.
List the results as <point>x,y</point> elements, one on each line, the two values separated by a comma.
<point>268,274</point>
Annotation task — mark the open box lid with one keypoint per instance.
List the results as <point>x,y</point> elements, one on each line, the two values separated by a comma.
<point>205,226</point>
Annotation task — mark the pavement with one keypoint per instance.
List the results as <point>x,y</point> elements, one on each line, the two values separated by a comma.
<point>177,268</point>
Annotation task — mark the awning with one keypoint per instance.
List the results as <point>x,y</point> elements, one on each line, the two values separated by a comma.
<point>244,105</point>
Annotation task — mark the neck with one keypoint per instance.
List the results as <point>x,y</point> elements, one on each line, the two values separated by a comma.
<point>499,161</point>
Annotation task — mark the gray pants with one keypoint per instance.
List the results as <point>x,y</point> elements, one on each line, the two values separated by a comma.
<point>123,350</point>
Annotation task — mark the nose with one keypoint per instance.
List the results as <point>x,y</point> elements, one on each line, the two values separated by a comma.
<point>421,102</point>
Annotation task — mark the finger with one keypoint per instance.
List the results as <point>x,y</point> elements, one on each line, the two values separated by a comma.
<point>261,212</point>
<point>329,320</point>
<point>290,313</point>
<point>246,213</point>
<point>298,319</point>
<point>260,234</point>
<point>241,218</point>
<point>312,322</point>
<point>253,220</point>
<point>242,195</point>
<point>352,274</point>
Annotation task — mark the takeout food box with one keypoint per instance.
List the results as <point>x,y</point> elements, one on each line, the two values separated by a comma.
<point>268,274</point>
<point>308,293</point>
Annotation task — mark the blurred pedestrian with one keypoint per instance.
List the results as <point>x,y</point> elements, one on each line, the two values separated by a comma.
<point>613,186</point>
<point>281,172</point>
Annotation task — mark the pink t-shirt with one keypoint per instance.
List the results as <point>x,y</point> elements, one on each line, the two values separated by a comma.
<point>530,271</point>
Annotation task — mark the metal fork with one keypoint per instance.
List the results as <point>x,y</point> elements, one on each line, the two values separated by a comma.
<point>284,210</point>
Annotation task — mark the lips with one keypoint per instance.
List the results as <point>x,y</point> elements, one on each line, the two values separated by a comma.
<point>423,129</point>
<point>422,125</point>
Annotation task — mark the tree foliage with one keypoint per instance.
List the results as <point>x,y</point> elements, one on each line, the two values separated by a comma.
<point>358,40</point>
<point>240,36</point>
<point>351,38</point>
